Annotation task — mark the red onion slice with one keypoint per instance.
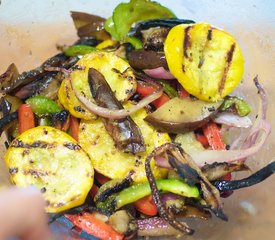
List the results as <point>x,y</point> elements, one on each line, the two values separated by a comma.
<point>113,113</point>
<point>232,120</point>
<point>159,72</point>
<point>106,112</point>
<point>252,144</point>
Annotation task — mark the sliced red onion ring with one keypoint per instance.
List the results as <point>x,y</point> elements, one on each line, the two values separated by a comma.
<point>106,112</point>
<point>232,120</point>
<point>159,72</point>
<point>252,144</point>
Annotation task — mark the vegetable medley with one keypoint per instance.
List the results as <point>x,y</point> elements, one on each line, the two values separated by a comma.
<point>125,130</point>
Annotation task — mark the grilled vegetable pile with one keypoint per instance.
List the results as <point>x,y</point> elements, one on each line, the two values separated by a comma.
<point>124,131</point>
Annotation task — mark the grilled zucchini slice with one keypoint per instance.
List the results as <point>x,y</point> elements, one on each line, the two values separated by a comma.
<point>111,162</point>
<point>52,161</point>
<point>116,71</point>
<point>206,61</point>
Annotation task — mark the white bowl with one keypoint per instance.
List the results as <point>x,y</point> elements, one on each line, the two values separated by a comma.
<point>30,30</point>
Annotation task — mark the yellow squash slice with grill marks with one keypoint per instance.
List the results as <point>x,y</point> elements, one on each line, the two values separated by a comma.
<point>116,71</point>
<point>207,61</point>
<point>52,161</point>
<point>110,161</point>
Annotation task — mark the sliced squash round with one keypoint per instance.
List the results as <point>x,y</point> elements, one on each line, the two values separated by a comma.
<point>52,161</point>
<point>207,61</point>
<point>116,71</point>
<point>113,163</point>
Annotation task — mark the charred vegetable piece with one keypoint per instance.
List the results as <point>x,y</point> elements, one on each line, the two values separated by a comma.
<point>255,178</point>
<point>111,187</point>
<point>39,72</point>
<point>154,38</point>
<point>42,105</point>
<point>125,14</point>
<point>165,213</point>
<point>237,105</point>
<point>218,170</point>
<point>7,120</point>
<point>156,23</point>
<point>88,25</point>
<point>52,161</point>
<point>140,190</point>
<point>113,163</point>
<point>76,50</point>
<point>207,61</point>
<point>141,59</point>
<point>116,71</point>
<point>184,115</point>
<point>125,133</point>
<point>8,78</point>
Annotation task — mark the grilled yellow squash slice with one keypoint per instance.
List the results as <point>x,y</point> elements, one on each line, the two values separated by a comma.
<point>54,162</point>
<point>116,71</point>
<point>206,61</point>
<point>114,163</point>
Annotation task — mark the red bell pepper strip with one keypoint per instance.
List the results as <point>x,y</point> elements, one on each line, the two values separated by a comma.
<point>93,191</point>
<point>74,127</point>
<point>213,134</point>
<point>25,117</point>
<point>90,224</point>
<point>146,206</point>
<point>101,178</point>
<point>66,125</point>
<point>145,89</point>
<point>202,139</point>
<point>182,92</point>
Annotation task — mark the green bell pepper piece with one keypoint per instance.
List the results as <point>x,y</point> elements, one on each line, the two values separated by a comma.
<point>76,50</point>
<point>238,104</point>
<point>135,42</point>
<point>168,88</point>
<point>140,190</point>
<point>42,105</point>
<point>125,14</point>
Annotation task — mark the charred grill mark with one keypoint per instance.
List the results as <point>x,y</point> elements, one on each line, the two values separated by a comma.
<point>187,41</point>
<point>38,144</point>
<point>25,152</point>
<point>72,146</point>
<point>79,109</point>
<point>78,67</point>
<point>183,68</point>
<point>229,58</point>
<point>209,34</point>
<point>13,170</point>
<point>201,62</point>
<point>36,173</point>
<point>67,91</point>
